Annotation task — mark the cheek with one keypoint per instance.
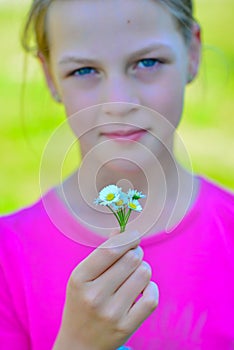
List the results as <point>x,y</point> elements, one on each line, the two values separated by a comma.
<point>167,99</point>
<point>80,118</point>
<point>82,127</point>
<point>76,100</point>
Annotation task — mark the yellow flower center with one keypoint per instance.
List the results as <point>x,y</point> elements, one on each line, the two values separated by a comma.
<point>132,205</point>
<point>119,203</point>
<point>110,197</point>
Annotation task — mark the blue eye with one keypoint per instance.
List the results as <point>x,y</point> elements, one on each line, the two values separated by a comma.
<point>84,71</point>
<point>148,63</point>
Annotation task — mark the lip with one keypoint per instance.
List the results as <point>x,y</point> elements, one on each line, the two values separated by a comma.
<point>125,135</point>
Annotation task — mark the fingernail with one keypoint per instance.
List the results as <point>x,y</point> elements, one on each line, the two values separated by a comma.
<point>139,252</point>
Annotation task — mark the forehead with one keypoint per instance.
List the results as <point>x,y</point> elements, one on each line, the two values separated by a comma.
<point>109,23</point>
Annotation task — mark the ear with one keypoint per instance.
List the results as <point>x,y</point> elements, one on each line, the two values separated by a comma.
<point>194,52</point>
<point>48,76</point>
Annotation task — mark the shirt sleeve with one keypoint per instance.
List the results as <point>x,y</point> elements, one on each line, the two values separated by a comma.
<point>12,334</point>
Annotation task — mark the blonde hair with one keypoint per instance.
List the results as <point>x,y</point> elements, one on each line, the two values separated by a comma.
<point>35,39</point>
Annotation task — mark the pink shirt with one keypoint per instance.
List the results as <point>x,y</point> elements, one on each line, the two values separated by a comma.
<point>193,267</point>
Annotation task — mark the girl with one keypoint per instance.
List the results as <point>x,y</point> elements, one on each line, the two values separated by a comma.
<point>68,280</point>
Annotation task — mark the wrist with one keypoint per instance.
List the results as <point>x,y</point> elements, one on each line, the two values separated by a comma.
<point>62,342</point>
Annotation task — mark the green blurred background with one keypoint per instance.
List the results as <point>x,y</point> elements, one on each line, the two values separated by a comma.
<point>27,122</point>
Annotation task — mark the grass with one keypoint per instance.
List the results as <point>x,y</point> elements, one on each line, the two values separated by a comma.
<point>207,127</point>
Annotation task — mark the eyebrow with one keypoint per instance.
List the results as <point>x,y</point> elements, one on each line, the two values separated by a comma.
<point>82,60</point>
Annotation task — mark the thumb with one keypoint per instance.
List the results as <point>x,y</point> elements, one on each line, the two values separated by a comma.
<point>114,233</point>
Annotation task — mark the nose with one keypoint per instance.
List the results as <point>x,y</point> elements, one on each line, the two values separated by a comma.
<point>120,109</point>
<point>120,97</point>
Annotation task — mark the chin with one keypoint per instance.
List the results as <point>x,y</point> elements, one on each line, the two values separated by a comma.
<point>123,165</point>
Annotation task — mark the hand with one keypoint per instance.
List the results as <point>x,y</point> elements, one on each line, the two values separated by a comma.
<point>101,311</point>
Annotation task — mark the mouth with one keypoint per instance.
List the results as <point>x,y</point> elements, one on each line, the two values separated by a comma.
<point>125,135</point>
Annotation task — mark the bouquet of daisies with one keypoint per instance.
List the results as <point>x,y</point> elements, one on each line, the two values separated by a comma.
<point>121,204</point>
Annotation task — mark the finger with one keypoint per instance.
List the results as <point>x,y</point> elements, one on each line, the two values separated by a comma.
<point>119,272</point>
<point>106,255</point>
<point>143,307</point>
<point>114,233</point>
<point>126,295</point>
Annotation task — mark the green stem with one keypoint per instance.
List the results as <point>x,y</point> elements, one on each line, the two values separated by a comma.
<point>121,215</point>
<point>122,228</point>
<point>120,223</point>
<point>127,216</point>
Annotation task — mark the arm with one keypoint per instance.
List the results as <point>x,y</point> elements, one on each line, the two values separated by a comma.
<point>100,311</point>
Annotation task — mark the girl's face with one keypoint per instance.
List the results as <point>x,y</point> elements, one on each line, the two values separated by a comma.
<point>127,51</point>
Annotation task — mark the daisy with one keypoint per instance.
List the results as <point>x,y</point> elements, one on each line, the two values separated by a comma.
<point>109,194</point>
<point>121,204</point>
<point>134,205</point>
<point>134,194</point>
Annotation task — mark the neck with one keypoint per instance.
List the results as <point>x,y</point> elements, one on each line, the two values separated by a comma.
<point>167,201</point>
